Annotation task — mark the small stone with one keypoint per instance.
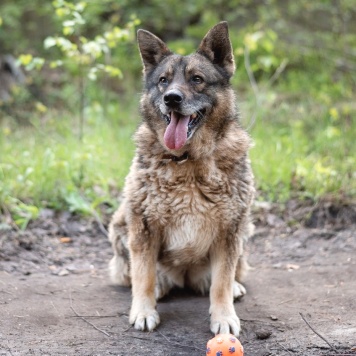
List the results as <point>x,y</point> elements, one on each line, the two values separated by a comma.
<point>63,272</point>
<point>65,240</point>
<point>263,334</point>
<point>273,317</point>
<point>291,267</point>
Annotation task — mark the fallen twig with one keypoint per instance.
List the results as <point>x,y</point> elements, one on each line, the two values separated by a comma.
<point>285,301</point>
<point>7,349</point>
<point>100,224</point>
<point>323,338</point>
<point>339,354</point>
<point>285,349</point>
<point>257,321</point>
<point>88,322</point>
<point>92,316</point>
<point>180,345</point>
<point>81,317</point>
<point>141,338</point>
<point>160,342</point>
<point>127,329</point>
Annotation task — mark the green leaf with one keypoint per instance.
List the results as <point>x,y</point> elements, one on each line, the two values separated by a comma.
<point>25,59</point>
<point>61,12</point>
<point>69,23</point>
<point>55,64</point>
<point>92,74</point>
<point>77,204</point>
<point>80,7</point>
<point>68,31</point>
<point>113,71</point>
<point>23,213</point>
<point>50,42</point>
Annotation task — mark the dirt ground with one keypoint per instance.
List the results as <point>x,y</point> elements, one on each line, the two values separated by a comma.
<point>56,298</point>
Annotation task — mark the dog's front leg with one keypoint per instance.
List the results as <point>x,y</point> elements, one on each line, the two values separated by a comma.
<point>143,252</point>
<point>224,257</point>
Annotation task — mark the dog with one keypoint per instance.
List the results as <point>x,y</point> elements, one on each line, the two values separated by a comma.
<point>185,214</point>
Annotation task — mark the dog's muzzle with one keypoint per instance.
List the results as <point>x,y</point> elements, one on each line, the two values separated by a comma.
<point>173,98</point>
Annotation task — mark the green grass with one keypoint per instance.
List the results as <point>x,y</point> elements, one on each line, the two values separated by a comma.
<point>304,132</point>
<point>303,147</point>
<point>46,165</point>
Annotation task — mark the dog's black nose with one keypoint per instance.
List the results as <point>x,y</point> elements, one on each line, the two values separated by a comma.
<point>173,98</point>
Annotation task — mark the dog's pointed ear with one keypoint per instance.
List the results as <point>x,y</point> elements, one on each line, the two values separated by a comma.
<point>216,46</point>
<point>152,49</point>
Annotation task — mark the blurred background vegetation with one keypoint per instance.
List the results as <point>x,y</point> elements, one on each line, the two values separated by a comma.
<point>70,82</point>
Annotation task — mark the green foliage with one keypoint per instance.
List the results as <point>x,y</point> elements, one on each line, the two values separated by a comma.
<point>307,160</point>
<point>21,213</point>
<point>295,81</point>
<point>46,166</point>
<point>78,53</point>
<point>20,24</point>
<point>262,44</point>
<point>83,58</point>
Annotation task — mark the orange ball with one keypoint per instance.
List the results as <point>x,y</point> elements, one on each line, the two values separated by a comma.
<point>223,345</point>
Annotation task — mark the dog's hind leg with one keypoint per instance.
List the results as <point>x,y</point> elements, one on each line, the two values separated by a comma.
<point>199,278</point>
<point>238,290</point>
<point>241,269</point>
<point>119,266</point>
<point>163,285</point>
<point>168,278</point>
<point>242,265</point>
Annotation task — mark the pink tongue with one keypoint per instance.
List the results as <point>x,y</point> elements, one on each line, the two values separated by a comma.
<point>175,136</point>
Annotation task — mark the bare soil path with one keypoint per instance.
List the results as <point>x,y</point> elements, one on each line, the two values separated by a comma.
<point>56,298</point>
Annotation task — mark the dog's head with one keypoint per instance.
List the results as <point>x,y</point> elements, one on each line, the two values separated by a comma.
<point>188,99</point>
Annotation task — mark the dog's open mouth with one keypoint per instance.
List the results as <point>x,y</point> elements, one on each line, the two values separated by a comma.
<point>180,128</point>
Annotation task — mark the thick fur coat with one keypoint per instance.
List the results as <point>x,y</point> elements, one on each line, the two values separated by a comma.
<point>184,217</point>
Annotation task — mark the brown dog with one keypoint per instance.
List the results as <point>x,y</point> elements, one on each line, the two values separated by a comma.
<point>185,213</point>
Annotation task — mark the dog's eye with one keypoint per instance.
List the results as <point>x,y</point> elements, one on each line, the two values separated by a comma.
<point>197,79</point>
<point>163,80</point>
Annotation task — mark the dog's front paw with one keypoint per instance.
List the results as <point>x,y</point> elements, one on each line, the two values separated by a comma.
<point>223,322</point>
<point>144,319</point>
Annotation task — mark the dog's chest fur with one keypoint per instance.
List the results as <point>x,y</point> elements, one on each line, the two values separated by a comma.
<point>191,201</point>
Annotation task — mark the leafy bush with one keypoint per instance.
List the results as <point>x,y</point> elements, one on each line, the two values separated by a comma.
<point>296,84</point>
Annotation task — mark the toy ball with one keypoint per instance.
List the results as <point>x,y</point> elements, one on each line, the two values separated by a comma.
<point>223,345</point>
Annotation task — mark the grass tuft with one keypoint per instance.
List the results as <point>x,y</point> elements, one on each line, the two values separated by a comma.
<point>46,165</point>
